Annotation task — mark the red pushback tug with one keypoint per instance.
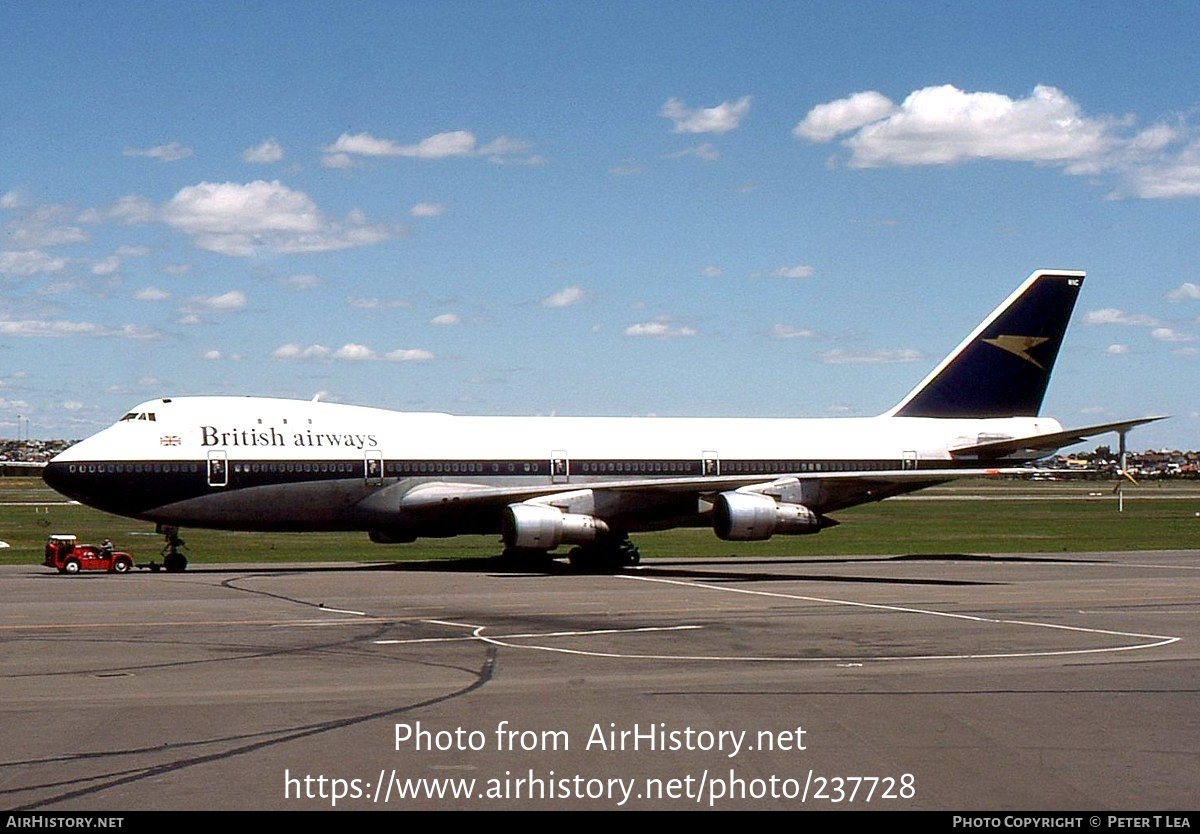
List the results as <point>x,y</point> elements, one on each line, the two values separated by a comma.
<point>66,555</point>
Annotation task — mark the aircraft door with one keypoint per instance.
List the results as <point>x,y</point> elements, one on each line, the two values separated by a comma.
<point>710,463</point>
<point>218,468</point>
<point>373,467</point>
<point>560,467</point>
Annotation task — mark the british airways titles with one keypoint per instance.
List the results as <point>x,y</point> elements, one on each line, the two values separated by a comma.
<point>212,436</point>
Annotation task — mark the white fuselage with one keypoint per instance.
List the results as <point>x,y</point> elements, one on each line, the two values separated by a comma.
<point>269,464</point>
<point>258,430</point>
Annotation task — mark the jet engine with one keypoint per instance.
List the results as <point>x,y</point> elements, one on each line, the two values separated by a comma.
<point>751,516</point>
<point>538,527</point>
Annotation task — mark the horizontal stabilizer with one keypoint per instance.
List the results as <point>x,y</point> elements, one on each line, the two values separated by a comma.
<point>1046,442</point>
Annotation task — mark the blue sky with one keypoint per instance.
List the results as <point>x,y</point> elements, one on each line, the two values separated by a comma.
<point>752,209</point>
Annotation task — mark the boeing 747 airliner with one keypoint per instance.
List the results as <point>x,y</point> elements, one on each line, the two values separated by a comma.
<point>251,463</point>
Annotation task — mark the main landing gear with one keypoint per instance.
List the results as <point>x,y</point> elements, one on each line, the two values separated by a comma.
<point>173,559</point>
<point>606,556</point>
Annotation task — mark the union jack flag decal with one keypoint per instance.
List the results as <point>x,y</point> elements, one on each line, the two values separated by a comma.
<point>170,440</point>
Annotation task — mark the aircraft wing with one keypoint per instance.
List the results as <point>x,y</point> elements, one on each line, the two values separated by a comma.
<point>820,491</point>
<point>1046,442</point>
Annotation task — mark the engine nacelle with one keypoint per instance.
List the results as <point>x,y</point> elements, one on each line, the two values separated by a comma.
<point>538,527</point>
<point>750,516</point>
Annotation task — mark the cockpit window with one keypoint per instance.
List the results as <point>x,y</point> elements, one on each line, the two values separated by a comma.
<point>138,415</point>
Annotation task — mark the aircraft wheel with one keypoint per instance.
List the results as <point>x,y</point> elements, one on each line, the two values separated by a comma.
<point>122,565</point>
<point>598,559</point>
<point>629,554</point>
<point>590,560</point>
<point>577,559</point>
<point>175,563</point>
<point>71,566</point>
<point>517,557</point>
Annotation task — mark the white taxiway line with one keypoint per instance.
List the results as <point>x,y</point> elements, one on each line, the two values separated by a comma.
<point>478,633</point>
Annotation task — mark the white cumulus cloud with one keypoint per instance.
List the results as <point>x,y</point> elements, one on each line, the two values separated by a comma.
<point>1186,291</point>
<point>409,355</point>
<point>505,146</point>
<point>1111,315</point>
<point>941,125</point>
<point>438,146</point>
<point>1167,175</point>
<point>215,355</point>
<point>351,352</point>
<point>106,266</point>
<point>1167,334</point>
<point>840,356</point>
<point>944,125</point>
<point>661,328</point>
<point>787,331</point>
<point>379,303</point>
<point>41,226</point>
<point>240,219</point>
<point>130,210</point>
<point>427,209</point>
<point>454,143</point>
<point>354,353</point>
<point>720,119</point>
<point>30,262</point>
<point>43,328</point>
<point>706,151</point>
<point>151,294</point>
<point>170,152</point>
<point>294,351</point>
<point>826,121</point>
<point>227,302</point>
<point>264,153</point>
<point>564,297</point>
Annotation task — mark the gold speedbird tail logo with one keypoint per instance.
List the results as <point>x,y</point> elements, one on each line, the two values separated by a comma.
<point>1019,346</point>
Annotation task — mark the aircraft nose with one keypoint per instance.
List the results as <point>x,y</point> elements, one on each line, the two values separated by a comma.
<point>58,476</point>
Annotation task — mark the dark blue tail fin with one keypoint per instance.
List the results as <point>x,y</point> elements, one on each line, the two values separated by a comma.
<point>1002,369</point>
